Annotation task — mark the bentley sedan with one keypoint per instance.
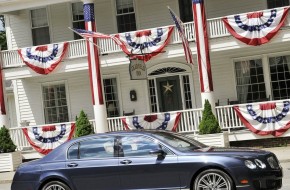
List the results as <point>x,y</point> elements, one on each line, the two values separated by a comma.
<point>140,160</point>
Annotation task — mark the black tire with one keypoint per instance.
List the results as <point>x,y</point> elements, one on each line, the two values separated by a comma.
<point>55,185</point>
<point>213,179</point>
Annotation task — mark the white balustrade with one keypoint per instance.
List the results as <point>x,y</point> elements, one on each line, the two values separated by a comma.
<point>77,48</point>
<point>189,122</point>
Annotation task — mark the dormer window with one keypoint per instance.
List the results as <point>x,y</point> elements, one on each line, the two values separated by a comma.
<point>39,27</point>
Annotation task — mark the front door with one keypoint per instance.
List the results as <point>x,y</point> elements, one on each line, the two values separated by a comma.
<point>169,94</point>
<point>139,170</point>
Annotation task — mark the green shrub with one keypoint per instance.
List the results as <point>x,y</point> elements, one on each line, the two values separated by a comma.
<point>6,143</point>
<point>209,123</point>
<point>83,125</point>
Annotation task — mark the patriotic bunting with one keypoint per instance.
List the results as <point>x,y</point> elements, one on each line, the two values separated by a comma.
<point>265,119</point>
<point>43,59</point>
<point>148,42</point>
<point>46,138</point>
<point>164,121</point>
<point>256,28</point>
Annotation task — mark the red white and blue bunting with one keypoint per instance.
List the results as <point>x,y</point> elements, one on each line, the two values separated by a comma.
<point>256,28</point>
<point>43,59</point>
<point>46,138</point>
<point>265,119</point>
<point>164,121</point>
<point>148,42</point>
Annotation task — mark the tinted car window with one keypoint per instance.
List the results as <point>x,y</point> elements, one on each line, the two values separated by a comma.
<point>179,142</point>
<point>138,145</point>
<point>102,147</point>
<point>73,152</point>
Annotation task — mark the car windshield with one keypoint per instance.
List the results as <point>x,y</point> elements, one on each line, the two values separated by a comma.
<point>179,142</point>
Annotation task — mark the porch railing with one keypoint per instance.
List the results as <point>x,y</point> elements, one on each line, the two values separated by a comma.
<point>77,48</point>
<point>189,122</point>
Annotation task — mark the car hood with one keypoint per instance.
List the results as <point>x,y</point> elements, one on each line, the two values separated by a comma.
<point>234,151</point>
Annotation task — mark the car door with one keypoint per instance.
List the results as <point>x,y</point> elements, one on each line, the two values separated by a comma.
<point>141,170</point>
<point>92,164</point>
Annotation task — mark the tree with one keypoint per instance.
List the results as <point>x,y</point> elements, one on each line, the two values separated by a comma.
<point>3,43</point>
<point>209,123</point>
<point>83,125</point>
<point>6,143</point>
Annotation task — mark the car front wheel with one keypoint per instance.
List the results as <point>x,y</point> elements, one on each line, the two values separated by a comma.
<point>213,179</point>
<point>55,185</point>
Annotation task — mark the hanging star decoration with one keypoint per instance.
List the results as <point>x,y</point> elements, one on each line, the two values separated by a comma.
<point>167,87</point>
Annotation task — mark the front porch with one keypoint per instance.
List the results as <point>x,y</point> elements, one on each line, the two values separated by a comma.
<point>188,124</point>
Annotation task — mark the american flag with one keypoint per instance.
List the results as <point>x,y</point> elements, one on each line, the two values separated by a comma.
<point>180,27</point>
<point>92,34</point>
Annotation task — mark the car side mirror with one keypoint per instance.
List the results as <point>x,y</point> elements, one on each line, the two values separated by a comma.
<point>158,152</point>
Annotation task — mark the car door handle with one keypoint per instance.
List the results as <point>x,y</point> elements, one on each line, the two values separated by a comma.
<point>72,165</point>
<point>126,162</point>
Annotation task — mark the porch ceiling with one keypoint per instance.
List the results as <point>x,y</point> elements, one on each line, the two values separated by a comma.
<point>7,6</point>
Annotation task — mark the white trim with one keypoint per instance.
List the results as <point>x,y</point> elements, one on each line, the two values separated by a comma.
<point>235,79</point>
<point>251,57</point>
<point>17,107</point>
<point>266,74</point>
<point>184,66</point>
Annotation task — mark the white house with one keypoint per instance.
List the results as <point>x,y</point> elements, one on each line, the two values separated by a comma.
<point>240,72</point>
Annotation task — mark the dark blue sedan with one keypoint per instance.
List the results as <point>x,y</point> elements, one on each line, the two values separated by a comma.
<point>140,160</point>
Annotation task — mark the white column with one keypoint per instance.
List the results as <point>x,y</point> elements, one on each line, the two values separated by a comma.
<point>100,113</point>
<point>3,116</point>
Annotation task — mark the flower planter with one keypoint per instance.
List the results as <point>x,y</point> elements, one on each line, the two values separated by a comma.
<point>10,161</point>
<point>217,139</point>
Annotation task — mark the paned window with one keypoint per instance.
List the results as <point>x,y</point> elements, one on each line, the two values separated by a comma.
<point>153,98</point>
<point>277,3</point>
<point>250,80</point>
<point>185,9</point>
<point>111,97</point>
<point>187,92</point>
<point>280,77</point>
<point>125,15</point>
<point>39,27</point>
<point>78,18</point>
<point>55,103</point>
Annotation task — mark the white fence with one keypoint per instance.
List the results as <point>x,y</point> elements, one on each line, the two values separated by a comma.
<point>189,122</point>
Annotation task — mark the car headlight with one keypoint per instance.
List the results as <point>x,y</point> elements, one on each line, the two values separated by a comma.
<point>260,164</point>
<point>250,164</point>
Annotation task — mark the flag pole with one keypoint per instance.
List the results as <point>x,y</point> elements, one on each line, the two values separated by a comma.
<point>86,38</point>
